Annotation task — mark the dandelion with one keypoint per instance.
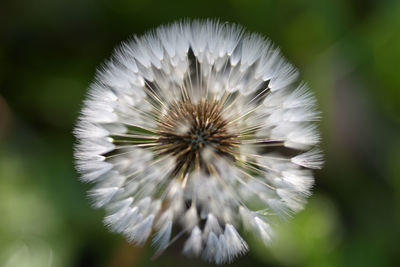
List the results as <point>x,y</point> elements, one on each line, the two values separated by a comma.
<point>195,131</point>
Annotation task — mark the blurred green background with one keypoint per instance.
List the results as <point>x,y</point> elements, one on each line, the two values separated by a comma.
<point>348,51</point>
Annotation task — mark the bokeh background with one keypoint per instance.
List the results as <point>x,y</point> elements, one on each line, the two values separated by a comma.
<point>348,51</point>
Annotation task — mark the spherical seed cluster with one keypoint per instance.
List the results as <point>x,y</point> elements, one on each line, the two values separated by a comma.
<point>193,131</point>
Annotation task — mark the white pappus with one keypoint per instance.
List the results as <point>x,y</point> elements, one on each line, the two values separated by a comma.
<point>194,131</point>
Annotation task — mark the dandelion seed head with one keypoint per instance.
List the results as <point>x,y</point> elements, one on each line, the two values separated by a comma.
<point>197,130</point>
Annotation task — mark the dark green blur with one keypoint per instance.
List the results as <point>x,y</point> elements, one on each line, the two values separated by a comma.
<point>348,51</point>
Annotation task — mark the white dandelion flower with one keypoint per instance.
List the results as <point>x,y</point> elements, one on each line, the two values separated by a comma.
<point>194,130</point>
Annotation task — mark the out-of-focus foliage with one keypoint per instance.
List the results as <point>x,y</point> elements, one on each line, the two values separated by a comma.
<point>348,51</point>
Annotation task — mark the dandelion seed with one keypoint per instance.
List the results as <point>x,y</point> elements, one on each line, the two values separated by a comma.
<point>188,130</point>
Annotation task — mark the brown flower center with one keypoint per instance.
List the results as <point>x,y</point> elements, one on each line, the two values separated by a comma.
<point>192,132</point>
